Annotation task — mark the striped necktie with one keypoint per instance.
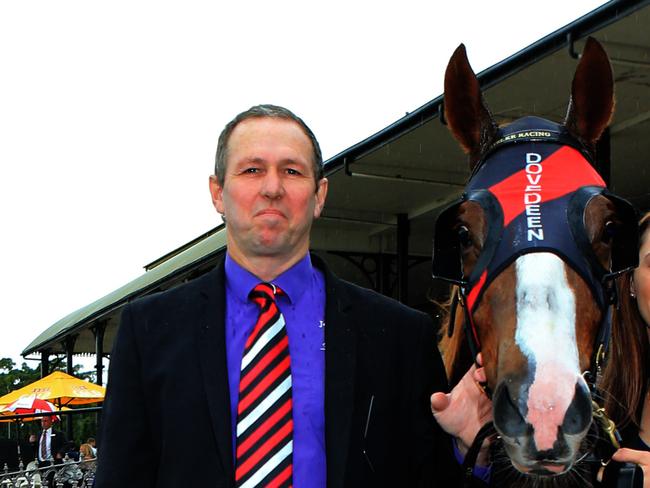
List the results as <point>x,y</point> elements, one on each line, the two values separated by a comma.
<point>264,412</point>
<point>44,446</point>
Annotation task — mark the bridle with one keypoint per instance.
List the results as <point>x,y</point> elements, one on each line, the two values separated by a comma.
<point>533,185</point>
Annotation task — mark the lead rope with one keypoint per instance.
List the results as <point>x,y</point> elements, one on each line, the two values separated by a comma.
<point>484,432</point>
<point>487,430</point>
<point>602,420</point>
<point>599,414</point>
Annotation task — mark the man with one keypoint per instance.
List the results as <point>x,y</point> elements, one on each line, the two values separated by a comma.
<point>50,442</point>
<point>269,370</point>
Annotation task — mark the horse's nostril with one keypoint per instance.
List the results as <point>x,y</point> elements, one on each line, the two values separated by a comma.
<point>507,417</point>
<point>578,415</point>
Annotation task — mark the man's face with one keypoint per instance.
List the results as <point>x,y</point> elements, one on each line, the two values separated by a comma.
<point>46,422</point>
<point>269,197</point>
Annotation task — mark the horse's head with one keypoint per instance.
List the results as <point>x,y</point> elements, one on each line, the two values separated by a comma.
<point>530,244</point>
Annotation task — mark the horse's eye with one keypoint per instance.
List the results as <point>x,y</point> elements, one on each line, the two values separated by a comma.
<point>610,230</point>
<point>463,236</point>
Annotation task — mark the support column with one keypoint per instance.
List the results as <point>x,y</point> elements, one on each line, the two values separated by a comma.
<point>69,350</point>
<point>98,331</point>
<point>402,257</point>
<point>45,362</point>
<point>383,274</point>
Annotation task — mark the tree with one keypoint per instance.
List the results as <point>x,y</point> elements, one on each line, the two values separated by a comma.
<point>12,378</point>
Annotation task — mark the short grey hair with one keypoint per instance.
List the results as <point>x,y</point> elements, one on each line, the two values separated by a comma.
<point>260,111</point>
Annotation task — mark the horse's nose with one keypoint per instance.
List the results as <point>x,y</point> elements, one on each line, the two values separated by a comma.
<point>510,418</point>
<point>578,415</point>
<point>507,415</point>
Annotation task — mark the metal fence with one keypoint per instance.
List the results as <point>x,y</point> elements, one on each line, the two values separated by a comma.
<point>69,474</point>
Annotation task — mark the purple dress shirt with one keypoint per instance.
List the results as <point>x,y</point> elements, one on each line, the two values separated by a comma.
<point>304,313</point>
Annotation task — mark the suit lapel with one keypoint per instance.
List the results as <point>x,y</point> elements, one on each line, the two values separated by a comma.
<point>210,329</point>
<point>340,363</point>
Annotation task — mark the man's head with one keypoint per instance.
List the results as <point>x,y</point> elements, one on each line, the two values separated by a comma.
<point>259,111</point>
<point>269,188</point>
<point>46,422</point>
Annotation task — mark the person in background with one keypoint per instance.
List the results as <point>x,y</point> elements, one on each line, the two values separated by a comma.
<point>49,442</point>
<point>87,450</point>
<point>70,451</point>
<point>627,399</point>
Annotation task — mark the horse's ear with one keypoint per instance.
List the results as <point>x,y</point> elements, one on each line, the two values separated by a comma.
<point>465,112</point>
<point>592,94</point>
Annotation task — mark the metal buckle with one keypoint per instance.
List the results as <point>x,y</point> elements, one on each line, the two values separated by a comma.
<point>607,424</point>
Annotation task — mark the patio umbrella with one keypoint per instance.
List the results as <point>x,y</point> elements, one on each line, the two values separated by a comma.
<point>59,388</point>
<point>29,404</point>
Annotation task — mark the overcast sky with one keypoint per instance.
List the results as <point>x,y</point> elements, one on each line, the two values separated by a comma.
<point>110,112</point>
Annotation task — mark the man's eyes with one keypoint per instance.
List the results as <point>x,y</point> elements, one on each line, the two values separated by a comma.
<point>257,170</point>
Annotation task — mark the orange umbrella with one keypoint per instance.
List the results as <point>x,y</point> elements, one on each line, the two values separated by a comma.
<point>59,388</point>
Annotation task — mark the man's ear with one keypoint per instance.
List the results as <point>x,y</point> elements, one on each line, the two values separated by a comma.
<point>216,192</point>
<point>321,195</point>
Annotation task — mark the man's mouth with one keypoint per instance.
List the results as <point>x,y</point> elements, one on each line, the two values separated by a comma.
<point>269,212</point>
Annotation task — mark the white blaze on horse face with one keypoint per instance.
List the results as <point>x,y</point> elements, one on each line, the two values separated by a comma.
<point>546,335</point>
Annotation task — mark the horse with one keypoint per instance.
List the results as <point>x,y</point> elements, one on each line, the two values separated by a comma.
<point>532,249</point>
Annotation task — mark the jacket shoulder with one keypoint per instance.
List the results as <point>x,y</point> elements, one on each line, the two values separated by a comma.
<point>180,296</point>
<point>376,303</point>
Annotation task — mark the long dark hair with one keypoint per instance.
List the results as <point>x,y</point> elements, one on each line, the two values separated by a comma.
<point>625,378</point>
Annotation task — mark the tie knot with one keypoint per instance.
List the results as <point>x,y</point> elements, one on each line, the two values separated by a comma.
<point>264,292</point>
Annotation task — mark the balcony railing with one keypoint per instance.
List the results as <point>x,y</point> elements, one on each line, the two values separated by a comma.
<point>69,474</point>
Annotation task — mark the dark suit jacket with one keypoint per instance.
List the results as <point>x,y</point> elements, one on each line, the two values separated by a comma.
<point>57,443</point>
<point>166,418</point>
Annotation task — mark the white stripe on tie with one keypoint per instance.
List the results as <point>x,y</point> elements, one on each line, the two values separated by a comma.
<point>262,341</point>
<point>269,466</point>
<point>250,419</point>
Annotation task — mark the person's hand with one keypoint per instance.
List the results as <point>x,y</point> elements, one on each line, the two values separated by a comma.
<point>465,410</point>
<point>641,458</point>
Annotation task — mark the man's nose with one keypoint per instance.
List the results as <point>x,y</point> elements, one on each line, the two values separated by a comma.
<point>272,185</point>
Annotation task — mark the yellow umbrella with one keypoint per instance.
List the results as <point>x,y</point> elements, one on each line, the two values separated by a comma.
<point>60,388</point>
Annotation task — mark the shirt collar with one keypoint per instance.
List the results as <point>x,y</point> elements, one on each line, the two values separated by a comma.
<point>293,281</point>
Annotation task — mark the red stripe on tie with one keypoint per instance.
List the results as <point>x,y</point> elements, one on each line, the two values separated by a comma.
<point>262,320</point>
<point>280,478</point>
<point>263,428</point>
<point>263,385</point>
<point>263,450</point>
<point>264,362</point>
